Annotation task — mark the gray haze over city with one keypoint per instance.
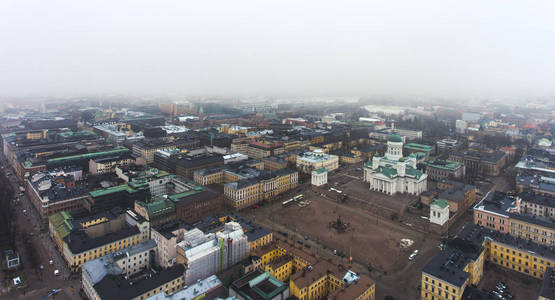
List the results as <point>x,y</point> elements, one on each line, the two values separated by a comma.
<point>421,49</point>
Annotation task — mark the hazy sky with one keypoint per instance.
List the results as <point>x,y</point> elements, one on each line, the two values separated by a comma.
<point>245,48</point>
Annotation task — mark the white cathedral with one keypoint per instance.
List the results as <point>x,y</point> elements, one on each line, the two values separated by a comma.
<point>394,173</point>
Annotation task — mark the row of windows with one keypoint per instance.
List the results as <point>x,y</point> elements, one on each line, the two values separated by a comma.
<point>432,297</point>
<point>507,250</point>
<point>176,285</point>
<point>106,249</point>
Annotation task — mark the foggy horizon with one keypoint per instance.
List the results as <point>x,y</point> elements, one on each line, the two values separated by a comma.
<point>424,49</point>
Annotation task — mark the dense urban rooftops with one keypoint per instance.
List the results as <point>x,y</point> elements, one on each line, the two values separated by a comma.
<point>117,287</point>
<point>497,202</point>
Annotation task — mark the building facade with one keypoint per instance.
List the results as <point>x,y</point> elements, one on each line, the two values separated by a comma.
<point>319,177</point>
<point>394,173</point>
<point>247,192</point>
<point>317,159</point>
<point>441,169</point>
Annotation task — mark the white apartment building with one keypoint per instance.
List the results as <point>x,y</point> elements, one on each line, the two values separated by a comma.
<point>127,262</point>
<point>207,254</point>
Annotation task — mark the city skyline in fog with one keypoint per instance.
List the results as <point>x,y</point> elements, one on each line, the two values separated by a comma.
<point>421,49</point>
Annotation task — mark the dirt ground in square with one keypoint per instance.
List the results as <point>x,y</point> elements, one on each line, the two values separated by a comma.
<point>368,239</point>
<point>371,237</point>
<point>520,286</point>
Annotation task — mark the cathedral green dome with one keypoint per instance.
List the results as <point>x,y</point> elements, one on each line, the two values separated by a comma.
<point>395,138</point>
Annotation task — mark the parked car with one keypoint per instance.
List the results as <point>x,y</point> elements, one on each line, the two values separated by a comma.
<point>413,254</point>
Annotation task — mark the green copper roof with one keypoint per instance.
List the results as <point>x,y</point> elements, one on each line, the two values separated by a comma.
<point>177,197</point>
<point>418,147</point>
<point>395,138</point>
<point>158,208</point>
<point>443,164</point>
<point>88,155</point>
<point>115,189</point>
<point>441,203</point>
<point>413,173</point>
<point>417,155</point>
<point>321,170</point>
<point>60,223</point>
<point>387,171</point>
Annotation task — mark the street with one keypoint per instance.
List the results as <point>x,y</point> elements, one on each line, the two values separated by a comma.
<point>29,240</point>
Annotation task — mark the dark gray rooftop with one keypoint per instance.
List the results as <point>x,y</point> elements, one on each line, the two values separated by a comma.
<point>116,287</point>
<point>542,183</point>
<point>497,202</point>
<point>548,285</point>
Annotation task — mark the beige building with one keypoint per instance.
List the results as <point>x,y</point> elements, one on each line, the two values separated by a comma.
<point>273,163</point>
<point>247,192</point>
<point>128,262</point>
<point>167,236</point>
<point>83,239</point>
<point>317,159</point>
<point>108,164</point>
<point>536,229</point>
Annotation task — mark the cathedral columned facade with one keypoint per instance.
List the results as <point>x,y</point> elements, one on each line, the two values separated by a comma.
<point>394,173</point>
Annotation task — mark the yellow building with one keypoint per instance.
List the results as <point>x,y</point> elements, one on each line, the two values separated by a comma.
<point>317,139</point>
<point>291,145</point>
<point>281,268</point>
<point>539,230</point>
<point>108,164</point>
<point>326,280</point>
<point>461,263</point>
<point>350,158</point>
<point>513,257</point>
<point>208,176</point>
<point>258,150</point>
<point>82,249</point>
<point>227,174</point>
<point>36,134</point>
<point>258,238</point>
<point>311,278</point>
<point>274,250</point>
<point>273,163</point>
<point>85,239</point>
<point>247,192</point>
<point>364,289</point>
<point>233,129</point>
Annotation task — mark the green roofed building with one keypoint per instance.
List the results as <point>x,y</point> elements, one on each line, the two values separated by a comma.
<point>394,173</point>
<point>418,148</point>
<point>441,169</point>
<point>158,211</point>
<point>82,160</point>
<point>259,285</point>
<point>439,211</point>
<point>122,195</point>
<point>319,177</point>
<point>60,227</point>
<point>395,138</point>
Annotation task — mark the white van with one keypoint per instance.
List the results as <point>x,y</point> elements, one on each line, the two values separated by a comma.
<point>413,254</point>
